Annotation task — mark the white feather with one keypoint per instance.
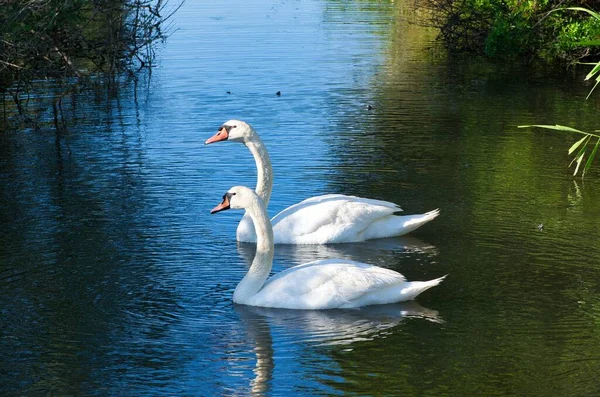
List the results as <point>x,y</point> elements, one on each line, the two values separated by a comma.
<point>331,218</point>
<point>322,284</point>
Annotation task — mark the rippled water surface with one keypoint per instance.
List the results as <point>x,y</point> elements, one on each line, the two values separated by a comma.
<point>115,280</point>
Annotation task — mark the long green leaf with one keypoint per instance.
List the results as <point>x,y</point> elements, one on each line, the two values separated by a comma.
<point>588,163</point>
<point>559,128</point>
<point>579,158</point>
<point>553,127</point>
<point>595,70</point>
<point>593,88</point>
<point>581,151</point>
<point>579,154</point>
<point>578,143</point>
<point>586,43</point>
<point>592,13</point>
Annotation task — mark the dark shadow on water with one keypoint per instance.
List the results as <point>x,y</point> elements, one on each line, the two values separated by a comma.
<point>366,252</point>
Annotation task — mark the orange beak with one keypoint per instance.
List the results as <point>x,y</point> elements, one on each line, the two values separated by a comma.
<point>221,207</point>
<point>221,135</point>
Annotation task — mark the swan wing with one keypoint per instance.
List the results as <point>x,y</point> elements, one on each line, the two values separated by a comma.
<point>328,197</point>
<point>330,218</point>
<point>325,284</point>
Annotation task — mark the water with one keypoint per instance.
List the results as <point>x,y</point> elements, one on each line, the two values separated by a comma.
<point>116,280</point>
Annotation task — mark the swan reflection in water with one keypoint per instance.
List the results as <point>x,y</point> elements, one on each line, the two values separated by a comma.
<point>319,328</point>
<point>368,251</point>
<point>270,329</point>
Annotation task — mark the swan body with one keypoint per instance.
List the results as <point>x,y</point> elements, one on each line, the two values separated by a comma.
<point>322,284</point>
<point>336,283</point>
<point>330,218</point>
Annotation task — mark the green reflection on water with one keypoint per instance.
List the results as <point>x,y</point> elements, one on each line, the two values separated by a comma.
<point>518,235</point>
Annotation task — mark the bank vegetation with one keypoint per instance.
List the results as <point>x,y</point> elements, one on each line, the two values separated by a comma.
<point>527,30</point>
<point>71,40</point>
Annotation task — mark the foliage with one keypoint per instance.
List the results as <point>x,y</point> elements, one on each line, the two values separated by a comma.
<point>595,42</point>
<point>581,146</point>
<point>514,28</point>
<point>584,142</point>
<point>70,38</point>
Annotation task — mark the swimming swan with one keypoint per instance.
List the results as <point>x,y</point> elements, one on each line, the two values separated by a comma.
<point>331,218</point>
<point>322,284</point>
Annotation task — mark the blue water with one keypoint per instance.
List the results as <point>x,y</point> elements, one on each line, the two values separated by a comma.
<point>116,280</point>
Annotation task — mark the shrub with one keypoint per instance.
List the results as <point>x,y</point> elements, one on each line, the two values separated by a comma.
<point>514,28</point>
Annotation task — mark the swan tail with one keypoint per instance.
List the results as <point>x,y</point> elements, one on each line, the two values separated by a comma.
<point>398,225</point>
<point>415,288</point>
<point>413,222</point>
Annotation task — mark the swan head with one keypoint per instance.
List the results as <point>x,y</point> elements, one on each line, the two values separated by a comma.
<point>232,130</point>
<point>238,197</point>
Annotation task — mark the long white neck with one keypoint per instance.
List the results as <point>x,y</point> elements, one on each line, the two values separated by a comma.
<point>263,260</point>
<point>264,182</point>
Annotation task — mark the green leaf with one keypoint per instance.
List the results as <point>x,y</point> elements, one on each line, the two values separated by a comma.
<point>579,158</point>
<point>560,128</point>
<point>588,163</point>
<point>553,127</point>
<point>592,13</point>
<point>579,155</point>
<point>593,88</point>
<point>578,143</point>
<point>587,43</point>
<point>595,70</point>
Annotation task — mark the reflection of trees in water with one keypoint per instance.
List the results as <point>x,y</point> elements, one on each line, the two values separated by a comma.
<point>73,44</point>
<point>82,291</point>
<point>436,121</point>
<point>442,134</point>
<point>372,159</point>
<point>64,105</point>
<point>83,299</point>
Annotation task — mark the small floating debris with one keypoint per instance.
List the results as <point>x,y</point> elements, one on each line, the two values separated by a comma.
<point>540,227</point>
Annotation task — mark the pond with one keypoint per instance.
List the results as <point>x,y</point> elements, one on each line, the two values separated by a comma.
<point>116,280</point>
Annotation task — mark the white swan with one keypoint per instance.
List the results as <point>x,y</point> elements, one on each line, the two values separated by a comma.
<point>331,218</point>
<point>322,284</point>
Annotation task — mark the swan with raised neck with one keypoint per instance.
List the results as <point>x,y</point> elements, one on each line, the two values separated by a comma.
<point>331,218</point>
<point>243,198</point>
<point>322,284</point>
<point>242,132</point>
